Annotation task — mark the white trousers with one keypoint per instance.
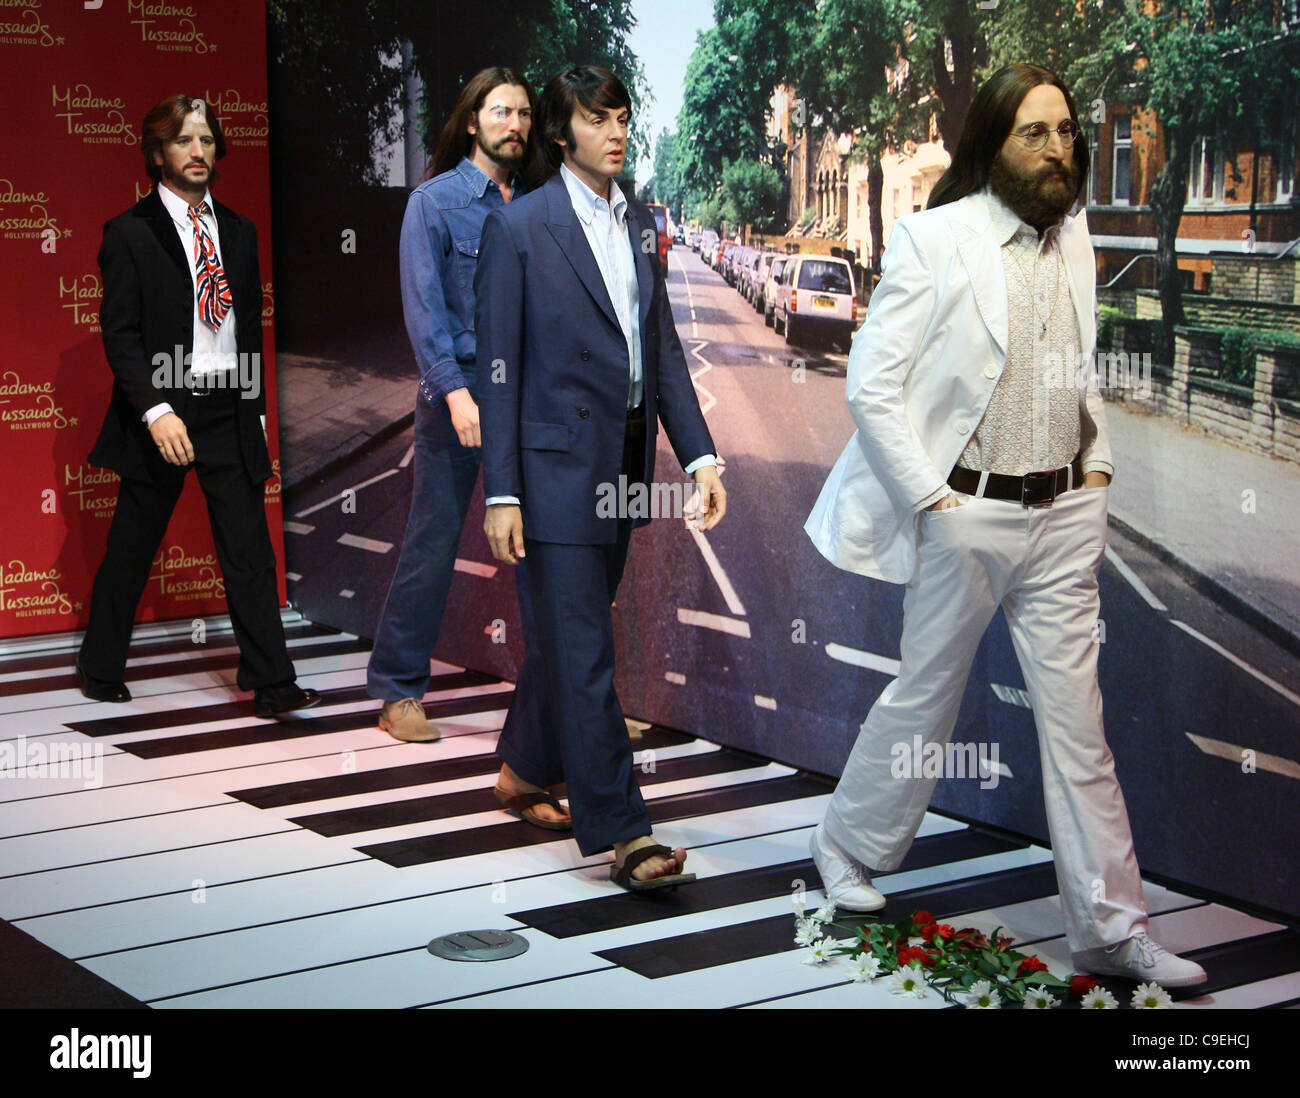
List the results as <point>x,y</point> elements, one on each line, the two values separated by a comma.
<point>1040,565</point>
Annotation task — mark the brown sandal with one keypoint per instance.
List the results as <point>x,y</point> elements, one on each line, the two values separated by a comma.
<point>521,803</point>
<point>621,875</point>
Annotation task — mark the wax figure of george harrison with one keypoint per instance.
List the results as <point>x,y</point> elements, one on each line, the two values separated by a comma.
<point>180,272</point>
<point>578,361</point>
<point>977,480</point>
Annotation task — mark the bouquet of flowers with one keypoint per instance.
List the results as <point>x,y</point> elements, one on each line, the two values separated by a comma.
<point>964,966</point>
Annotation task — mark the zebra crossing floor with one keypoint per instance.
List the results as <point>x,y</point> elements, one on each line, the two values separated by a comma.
<point>177,852</point>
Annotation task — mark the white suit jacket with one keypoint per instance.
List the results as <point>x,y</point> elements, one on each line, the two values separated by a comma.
<point>921,372</point>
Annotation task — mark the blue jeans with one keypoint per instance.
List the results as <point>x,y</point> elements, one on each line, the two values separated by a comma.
<point>445,472</point>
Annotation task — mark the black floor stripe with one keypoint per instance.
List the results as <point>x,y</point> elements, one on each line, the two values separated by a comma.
<point>742,887</point>
<point>233,710</point>
<point>293,728</point>
<point>182,666</point>
<point>401,777</point>
<point>35,977</point>
<point>465,802</point>
<point>485,840</point>
<point>1247,960</point>
<point>67,657</point>
<point>764,937</point>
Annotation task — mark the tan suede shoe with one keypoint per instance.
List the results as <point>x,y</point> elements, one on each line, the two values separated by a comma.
<point>405,720</point>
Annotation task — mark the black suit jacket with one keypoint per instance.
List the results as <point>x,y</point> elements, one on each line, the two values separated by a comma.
<point>552,371</point>
<point>147,310</point>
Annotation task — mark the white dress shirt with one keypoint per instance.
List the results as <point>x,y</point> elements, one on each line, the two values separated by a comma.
<point>211,351</point>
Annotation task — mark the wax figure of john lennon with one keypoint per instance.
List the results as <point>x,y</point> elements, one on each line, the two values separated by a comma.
<point>180,271</point>
<point>978,483</point>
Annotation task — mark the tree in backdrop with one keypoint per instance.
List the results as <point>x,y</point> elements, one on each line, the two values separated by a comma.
<point>1224,71</point>
<point>338,64</point>
<point>753,193</point>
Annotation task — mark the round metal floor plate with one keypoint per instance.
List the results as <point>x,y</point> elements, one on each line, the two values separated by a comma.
<point>479,945</point>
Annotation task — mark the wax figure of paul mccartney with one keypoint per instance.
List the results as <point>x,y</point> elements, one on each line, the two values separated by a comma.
<point>180,271</point>
<point>577,362</point>
<point>979,481</point>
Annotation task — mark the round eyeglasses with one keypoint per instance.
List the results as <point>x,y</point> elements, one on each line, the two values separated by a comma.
<point>1036,135</point>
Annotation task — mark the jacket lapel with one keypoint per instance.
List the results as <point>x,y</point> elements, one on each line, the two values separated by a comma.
<point>983,262</point>
<point>164,228</point>
<point>563,225</point>
<point>1076,250</point>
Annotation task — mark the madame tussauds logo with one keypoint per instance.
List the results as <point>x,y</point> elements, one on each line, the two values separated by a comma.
<point>25,404</point>
<point>21,25</point>
<point>242,122</point>
<point>95,119</point>
<point>168,26</point>
<point>37,220</point>
<point>181,576</point>
<point>95,490</point>
<point>81,296</point>
<point>30,592</point>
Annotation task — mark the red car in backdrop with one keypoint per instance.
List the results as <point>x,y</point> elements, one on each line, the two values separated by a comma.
<point>661,224</point>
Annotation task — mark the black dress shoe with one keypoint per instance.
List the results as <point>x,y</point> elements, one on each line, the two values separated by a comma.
<point>283,697</point>
<point>100,690</point>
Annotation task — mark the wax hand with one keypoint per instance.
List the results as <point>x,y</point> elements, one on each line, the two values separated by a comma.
<point>946,504</point>
<point>1096,479</point>
<point>464,417</point>
<point>173,441</point>
<point>712,497</point>
<point>504,526</point>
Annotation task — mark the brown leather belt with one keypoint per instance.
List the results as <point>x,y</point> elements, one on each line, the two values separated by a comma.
<point>1031,490</point>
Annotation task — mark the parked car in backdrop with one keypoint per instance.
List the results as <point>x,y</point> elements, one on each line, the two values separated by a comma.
<point>661,227</point>
<point>771,288</point>
<point>749,273</point>
<point>817,299</point>
<point>708,241</point>
<point>758,298</point>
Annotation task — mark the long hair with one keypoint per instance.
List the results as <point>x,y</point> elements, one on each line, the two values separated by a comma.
<point>456,142</point>
<point>163,123</point>
<point>988,122</point>
<point>591,87</point>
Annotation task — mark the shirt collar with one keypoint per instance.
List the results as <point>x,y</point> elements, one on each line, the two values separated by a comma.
<point>478,179</point>
<point>584,199</point>
<point>178,208</point>
<point>1007,223</point>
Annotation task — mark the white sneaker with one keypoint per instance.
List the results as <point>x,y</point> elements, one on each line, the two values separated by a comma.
<point>844,881</point>
<point>1140,958</point>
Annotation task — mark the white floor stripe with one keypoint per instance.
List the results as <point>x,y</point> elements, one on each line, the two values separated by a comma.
<point>475,568</point>
<point>1235,754</point>
<point>675,677</point>
<point>859,658</point>
<point>718,573</point>
<point>406,457</point>
<point>343,494</point>
<point>1272,684</point>
<point>1135,581</point>
<point>720,622</point>
<point>1012,695</point>
<point>369,544</point>
<point>764,702</point>
<point>297,527</point>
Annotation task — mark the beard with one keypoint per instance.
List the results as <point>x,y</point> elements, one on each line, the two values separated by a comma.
<point>503,152</point>
<point>1037,199</point>
<point>183,184</point>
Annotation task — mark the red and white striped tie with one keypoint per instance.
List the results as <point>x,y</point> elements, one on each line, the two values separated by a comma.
<point>214,293</point>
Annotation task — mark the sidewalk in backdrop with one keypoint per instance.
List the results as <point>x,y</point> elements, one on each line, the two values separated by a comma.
<point>1227,518</point>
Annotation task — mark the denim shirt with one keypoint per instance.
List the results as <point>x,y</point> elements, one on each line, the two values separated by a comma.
<point>439,251</point>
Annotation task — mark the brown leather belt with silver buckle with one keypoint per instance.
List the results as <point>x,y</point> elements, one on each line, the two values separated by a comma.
<point>1031,490</point>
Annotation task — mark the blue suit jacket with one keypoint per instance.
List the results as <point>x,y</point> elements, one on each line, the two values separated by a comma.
<point>552,370</point>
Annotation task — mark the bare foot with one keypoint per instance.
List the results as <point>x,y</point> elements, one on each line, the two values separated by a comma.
<point>656,866</point>
<point>513,785</point>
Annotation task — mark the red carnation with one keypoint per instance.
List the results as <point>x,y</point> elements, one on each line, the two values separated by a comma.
<point>922,918</point>
<point>1030,964</point>
<point>915,953</point>
<point>1081,985</point>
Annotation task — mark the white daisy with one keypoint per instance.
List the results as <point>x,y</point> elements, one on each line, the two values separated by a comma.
<point>982,997</point>
<point>820,951</point>
<point>1039,998</point>
<point>864,968</point>
<point>826,912</point>
<point>908,981</point>
<point>1100,999</point>
<point>1150,997</point>
<point>806,931</point>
